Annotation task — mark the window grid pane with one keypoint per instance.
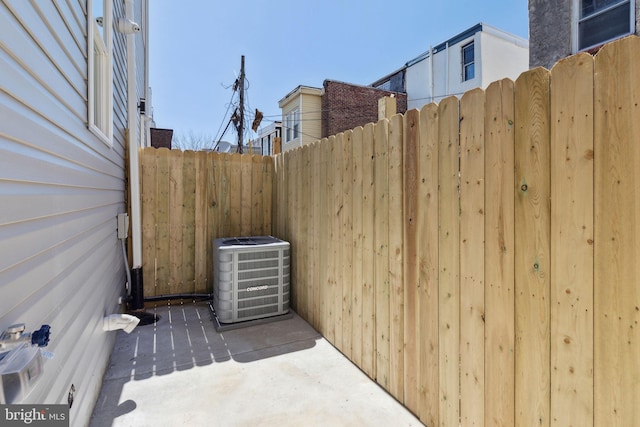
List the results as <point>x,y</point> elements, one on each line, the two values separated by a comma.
<point>468,62</point>
<point>589,7</point>
<point>604,26</point>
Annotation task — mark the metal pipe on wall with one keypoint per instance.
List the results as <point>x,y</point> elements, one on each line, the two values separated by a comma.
<point>134,165</point>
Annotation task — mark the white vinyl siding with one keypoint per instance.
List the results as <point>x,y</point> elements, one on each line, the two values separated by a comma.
<point>311,118</point>
<point>61,189</point>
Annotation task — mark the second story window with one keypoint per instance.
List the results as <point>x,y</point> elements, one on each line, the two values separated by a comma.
<point>292,126</point>
<point>600,21</point>
<point>468,62</point>
<point>100,108</point>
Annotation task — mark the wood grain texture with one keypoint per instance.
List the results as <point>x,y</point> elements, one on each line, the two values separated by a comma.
<point>381,244</point>
<point>149,212</point>
<point>533,258</point>
<point>188,220</point>
<point>396,258</point>
<point>347,242</point>
<point>617,234</point>
<point>499,255</point>
<point>357,255</point>
<point>572,242</point>
<point>449,262</point>
<point>337,249</point>
<point>410,159</point>
<point>201,227</point>
<point>428,292</point>
<point>161,284</point>
<point>472,236</point>
<point>368,253</point>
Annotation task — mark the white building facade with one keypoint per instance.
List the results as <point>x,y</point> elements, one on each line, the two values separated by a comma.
<point>269,139</point>
<point>474,58</point>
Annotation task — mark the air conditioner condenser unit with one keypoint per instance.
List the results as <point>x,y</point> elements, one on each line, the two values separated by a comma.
<point>250,278</point>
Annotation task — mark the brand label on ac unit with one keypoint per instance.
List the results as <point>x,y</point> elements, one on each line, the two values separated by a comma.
<point>257,288</point>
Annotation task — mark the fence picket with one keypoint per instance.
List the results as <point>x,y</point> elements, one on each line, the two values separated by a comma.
<point>368,253</point>
<point>149,220</point>
<point>306,218</point>
<point>472,238</point>
<point>449,261</point>
<point>381,245</point>
<point>357,281</point>
<point>396,262</point>
<point>324,243</point>
<point>411,156</point>
<point>532,222</point>
<point>572,242</point>
<point>257,187</point>
<point>347,242</point>
<point>201,225</point>
<point>428,293</point>
<point>188,221</point>
<point>499,255</point>
<point>617,234</point>
<point>338,260</point>
<point>162,276</point>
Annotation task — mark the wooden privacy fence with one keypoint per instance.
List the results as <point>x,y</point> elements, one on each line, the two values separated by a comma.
<point>480,258</point>
<point>188,199</point>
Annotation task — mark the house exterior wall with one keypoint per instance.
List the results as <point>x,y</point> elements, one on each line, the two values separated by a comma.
<point>267,138</point>
<point>311,117</point>
<point>438,73</point>
<point>501,58</point>
<point>61,188</point>
<point>447,73</point>
<point>418,84</point>
<point>308,102</point>
<point>346,106</point>
<point>551,31</point>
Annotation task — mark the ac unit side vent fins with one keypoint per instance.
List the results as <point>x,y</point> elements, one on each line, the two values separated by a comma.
<point>250,278</point>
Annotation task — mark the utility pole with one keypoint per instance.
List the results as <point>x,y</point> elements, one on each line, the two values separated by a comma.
<point>241,88</point>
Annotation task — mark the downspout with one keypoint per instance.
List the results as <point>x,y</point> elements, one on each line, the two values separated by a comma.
<point>137,297</point>
<point>431,77</point>
<point>300,118</point>
<point>446,68</point>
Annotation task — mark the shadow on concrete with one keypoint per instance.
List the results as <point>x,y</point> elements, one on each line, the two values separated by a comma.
<point>184,337</point>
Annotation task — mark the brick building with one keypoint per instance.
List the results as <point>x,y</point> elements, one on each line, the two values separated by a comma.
<point>309,113</point>
<point>346,106</point>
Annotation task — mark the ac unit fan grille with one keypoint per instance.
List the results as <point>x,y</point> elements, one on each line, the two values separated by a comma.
<point>271,274</point>
<point>248,256</point>
<point>257,302</point>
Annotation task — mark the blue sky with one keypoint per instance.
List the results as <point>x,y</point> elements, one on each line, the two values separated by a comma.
<point>196,45</point>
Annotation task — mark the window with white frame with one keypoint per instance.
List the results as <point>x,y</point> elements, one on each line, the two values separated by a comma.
<point>468,62</point>
<point>600,21</point>
<point>100,82</point>
<point>292,126</point>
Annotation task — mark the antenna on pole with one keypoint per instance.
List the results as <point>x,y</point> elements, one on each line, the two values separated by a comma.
<point>241,107</point>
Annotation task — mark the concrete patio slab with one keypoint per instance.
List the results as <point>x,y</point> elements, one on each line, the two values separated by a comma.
<point>181,372</point>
